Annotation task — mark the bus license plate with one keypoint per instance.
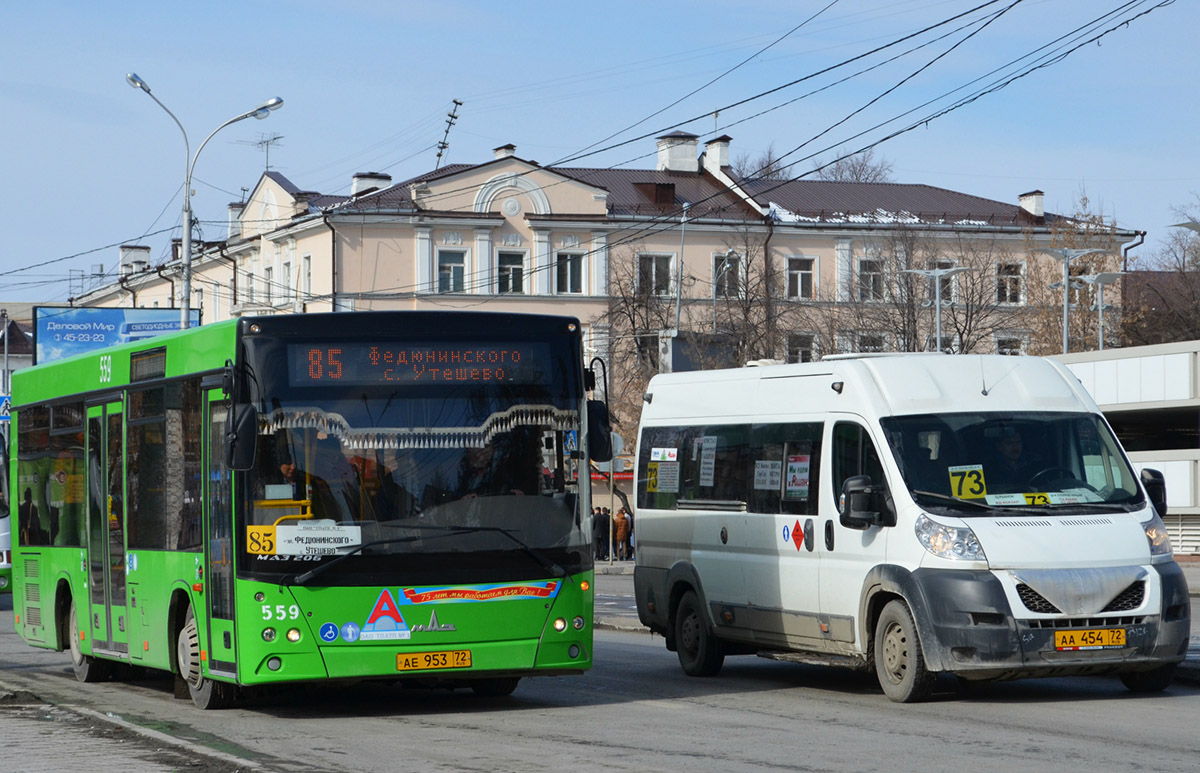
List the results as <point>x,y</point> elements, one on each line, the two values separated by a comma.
<point>1090,639</point>
<point>419,661</point>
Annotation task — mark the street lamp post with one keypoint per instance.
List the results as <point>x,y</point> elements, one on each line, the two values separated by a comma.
<point>1066,256</point>
<point>260,112</point>
<point>1098,281</point>
<point>936,275</point>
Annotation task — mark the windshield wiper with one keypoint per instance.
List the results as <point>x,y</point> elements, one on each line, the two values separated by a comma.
<point>955,500</point>
<point>447,531</point>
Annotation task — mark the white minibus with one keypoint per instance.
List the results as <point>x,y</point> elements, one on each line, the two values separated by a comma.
<point>916,514</point>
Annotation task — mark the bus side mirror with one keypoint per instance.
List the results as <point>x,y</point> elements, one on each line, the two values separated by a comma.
<point>599,430</point>
<point>240,440</point>
<point>1156,490</point>
<point>861,503</point>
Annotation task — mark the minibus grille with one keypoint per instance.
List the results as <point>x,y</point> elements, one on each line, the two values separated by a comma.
<point>1088,622</point>
<point>1130,598</point>
<point>1035,602</point>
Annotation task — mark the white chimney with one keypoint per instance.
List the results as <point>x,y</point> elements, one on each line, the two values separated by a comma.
<point>716,154</point>
<point>131,258</point>
<point>504,151</point>
<point>1034,203</point>
<point>677,152</point>
<point>235,219</point>
<point>365,182</point>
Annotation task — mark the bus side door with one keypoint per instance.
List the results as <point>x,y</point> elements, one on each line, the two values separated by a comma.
<point>218,539</point>
<point>106,528</point>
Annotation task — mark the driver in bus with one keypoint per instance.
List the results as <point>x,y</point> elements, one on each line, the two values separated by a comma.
<point>487,472</point>
<point>1013,465</point>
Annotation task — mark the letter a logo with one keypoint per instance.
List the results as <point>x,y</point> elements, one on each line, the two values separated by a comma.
<point>385,606</point>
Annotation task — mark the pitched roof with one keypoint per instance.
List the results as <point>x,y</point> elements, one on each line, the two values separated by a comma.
<point>821,201</point>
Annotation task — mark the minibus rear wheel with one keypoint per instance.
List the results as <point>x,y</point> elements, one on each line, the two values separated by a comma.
<point>899,663</point>
<point>699,651</point>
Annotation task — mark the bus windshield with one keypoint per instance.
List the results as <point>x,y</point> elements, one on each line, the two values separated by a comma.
<point>396,460</point>
<point>971,464</point>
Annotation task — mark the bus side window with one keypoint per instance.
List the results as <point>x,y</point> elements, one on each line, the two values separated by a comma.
<point>854,454</point>
<point>786,459</point>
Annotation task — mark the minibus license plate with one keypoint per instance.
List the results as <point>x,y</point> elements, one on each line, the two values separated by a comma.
<point>1090,639</point>
<point>418,661</point>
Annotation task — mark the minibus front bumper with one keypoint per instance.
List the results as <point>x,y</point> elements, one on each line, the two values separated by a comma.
<point>968,627</point>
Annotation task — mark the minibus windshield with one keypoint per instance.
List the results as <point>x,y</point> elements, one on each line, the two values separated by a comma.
<point>976,463</point>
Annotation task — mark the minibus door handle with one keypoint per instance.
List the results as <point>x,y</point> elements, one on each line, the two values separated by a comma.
<point>829,535</point>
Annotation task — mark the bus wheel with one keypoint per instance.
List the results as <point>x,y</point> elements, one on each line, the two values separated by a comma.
<point>206,693</point>
<point>699,651</point>
<point>86,667</point>
<point>899,663</point>
<point>498,687</point>
<point>1154,680</point>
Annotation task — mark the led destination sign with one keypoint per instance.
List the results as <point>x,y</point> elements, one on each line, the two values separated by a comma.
<point>364,364</point>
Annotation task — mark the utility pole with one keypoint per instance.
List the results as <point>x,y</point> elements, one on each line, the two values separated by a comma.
<point>451,117</point>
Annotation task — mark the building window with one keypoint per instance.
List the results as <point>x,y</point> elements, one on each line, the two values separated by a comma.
<point>1011,344</point>
<point>285,285</point>
<point>1008,282</point>
<point>510,276</point>
<point>200,301</point>
<point>948,343</point>
<point>569,275</point>
<point>800,347</point>
<point>249,288</point>
<point>872,342</point>
<point>306,263</point>
<point>870,280</point>
<point>726,276</point>
<point>268,282</point>
<point>654,274</point>
<point>800,279</point>
<point>452,268</point>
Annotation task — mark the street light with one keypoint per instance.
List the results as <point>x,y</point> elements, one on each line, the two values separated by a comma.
<point>1098,281</point>
<point>260,112</point>
<point>1066,256</point>
<point>936,275</point>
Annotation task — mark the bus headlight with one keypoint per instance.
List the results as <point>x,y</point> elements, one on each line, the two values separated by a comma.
<point>956,544</point>
<point>1156,535</point>
<point>268,634</point>
<point>293,635</point>
<point>560,624</point>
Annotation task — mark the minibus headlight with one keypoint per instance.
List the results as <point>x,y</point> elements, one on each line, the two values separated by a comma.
<point>1156,535</point>
<point>957,544</point>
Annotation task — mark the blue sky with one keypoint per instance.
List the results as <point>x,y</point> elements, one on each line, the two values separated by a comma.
<point>89,162</point>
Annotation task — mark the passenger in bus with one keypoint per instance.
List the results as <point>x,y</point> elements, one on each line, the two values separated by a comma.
<point>1014,465</point>
<point>330,485</point>
<point>487,472</point>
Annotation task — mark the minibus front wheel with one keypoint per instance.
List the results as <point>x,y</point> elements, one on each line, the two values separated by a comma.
<point>899,662</point>
<point>699,651</point>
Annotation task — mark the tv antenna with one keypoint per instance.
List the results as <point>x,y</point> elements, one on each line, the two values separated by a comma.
<point>264,143</point>
<point>451,117</point>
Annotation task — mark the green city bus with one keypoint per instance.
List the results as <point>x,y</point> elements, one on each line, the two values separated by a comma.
<point>282,499</point>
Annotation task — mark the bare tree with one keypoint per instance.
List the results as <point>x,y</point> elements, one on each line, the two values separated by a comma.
<point>861,167</point>
<point>765,166</point>
<point>1163,304</point>
<point>1083,230</point>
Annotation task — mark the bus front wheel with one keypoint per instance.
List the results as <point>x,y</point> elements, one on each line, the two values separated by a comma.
<point>497,687</point>
<point>206,693</point>
<point>86,667</point>
<point>899,662</point>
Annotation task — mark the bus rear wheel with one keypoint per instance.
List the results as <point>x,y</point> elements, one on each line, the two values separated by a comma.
<point>699,651</point>
<point>206,693</point>
<point>86,667</point>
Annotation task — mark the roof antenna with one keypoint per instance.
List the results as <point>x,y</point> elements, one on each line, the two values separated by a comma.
<point>451,117</point>
<point>983,379</point>
<point>264,143</point>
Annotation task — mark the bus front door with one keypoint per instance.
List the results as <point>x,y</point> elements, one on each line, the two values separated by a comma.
<point>106,529</point>
<point>218,540</point>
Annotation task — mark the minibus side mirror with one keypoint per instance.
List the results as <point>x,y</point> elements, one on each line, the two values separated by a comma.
<point>599,430</point>
<point>240,440</point>
<point>861,503</point>
<point>1156,490</point>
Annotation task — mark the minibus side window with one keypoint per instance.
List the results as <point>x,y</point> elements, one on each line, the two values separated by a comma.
<point>854,454</point>
<point>785,460</point>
